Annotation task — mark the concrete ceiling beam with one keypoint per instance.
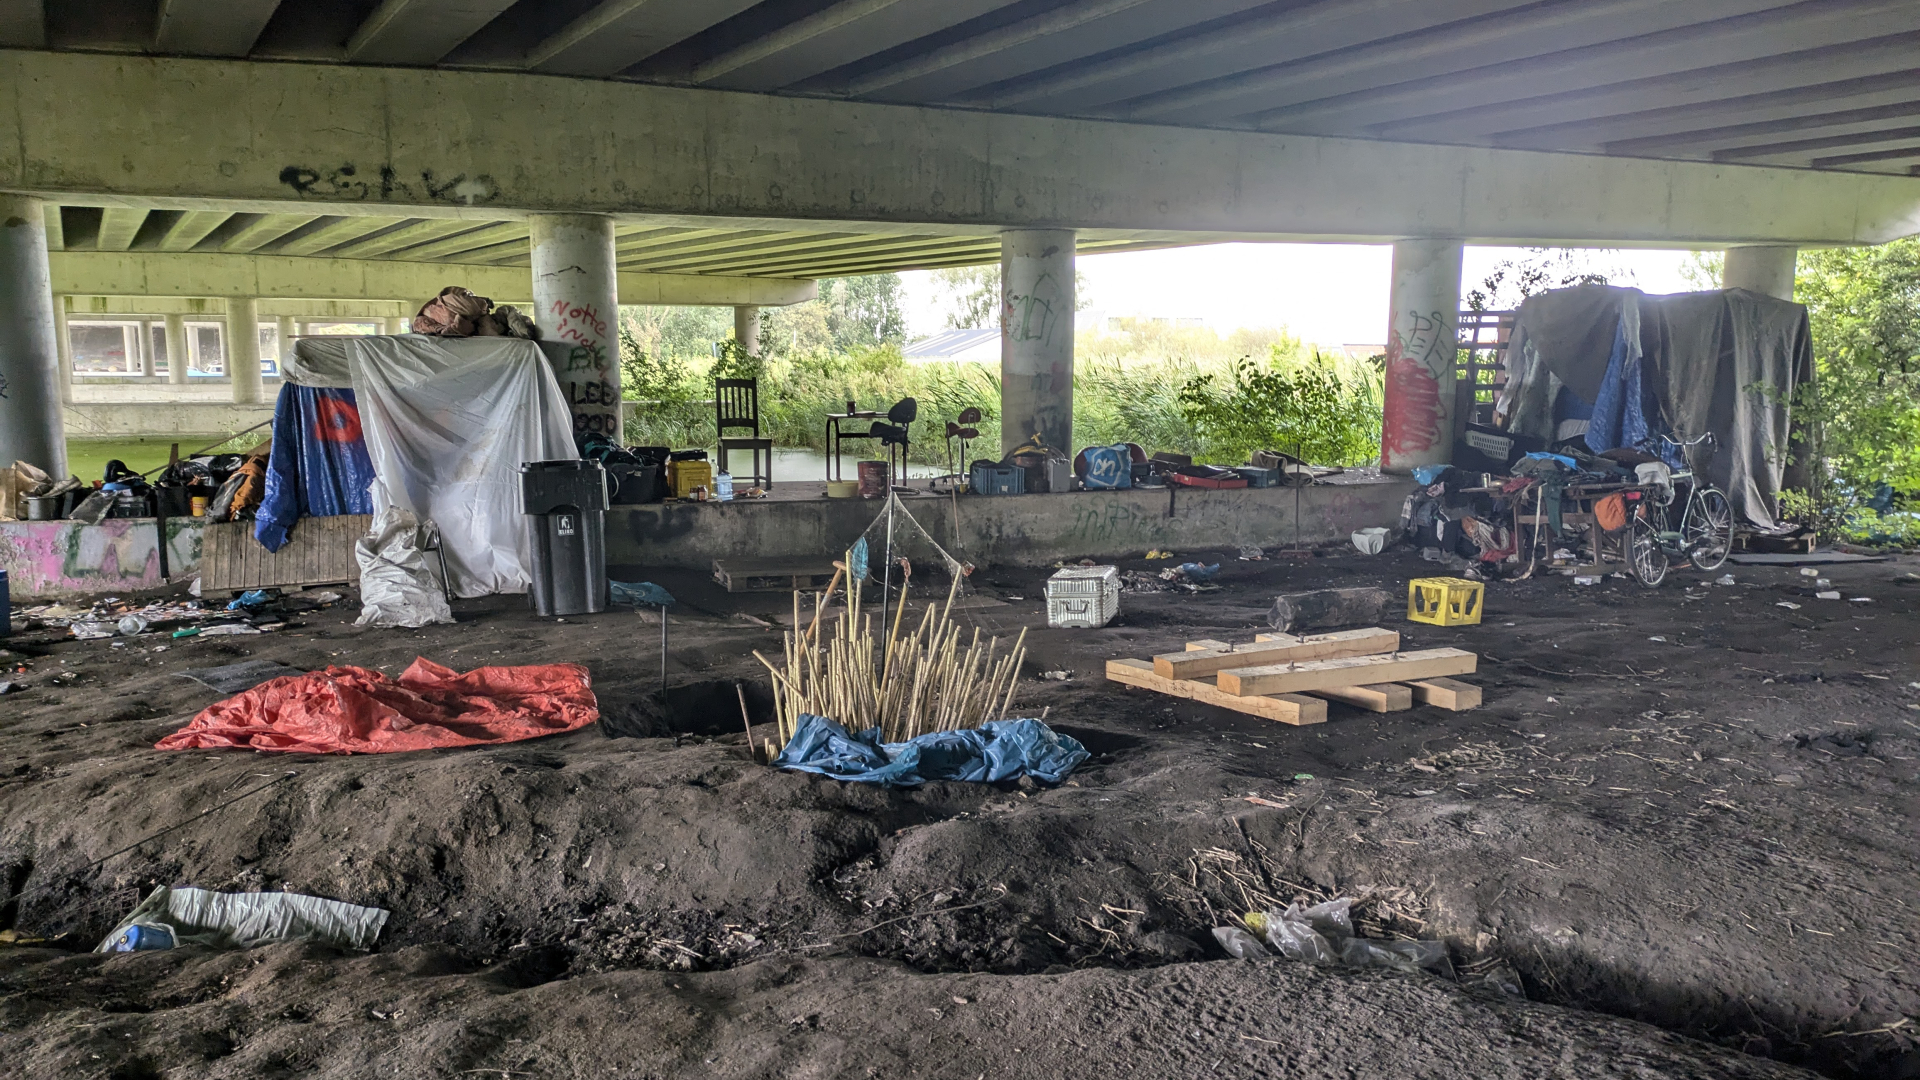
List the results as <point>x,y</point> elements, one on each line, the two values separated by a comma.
<point>411,234</point>
<point>323,138</point>
<point>56,228</point>
<point>252,232</point>
<point>419,31</point>
<point>617,34</point>
<point>1752,41</point>
<point>191,227</point>
<point>118,226</point>
<point>1749,78</point>
<point>1059,20</point>
<point>103,273</point>
<point>328,232</point>
<point>1628,128</point>
<point>890,30</point>
<point>455,247</point>
<point>1798,147</point>
<point>216,307</point>
<point>792,35</point>
<point>1898,154</point>
<point>210,27</point>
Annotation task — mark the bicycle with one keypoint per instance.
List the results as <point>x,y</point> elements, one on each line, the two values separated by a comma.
<point>1705,533</point>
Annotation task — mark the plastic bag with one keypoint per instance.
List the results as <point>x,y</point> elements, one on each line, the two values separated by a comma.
<point>397,587</point>
<point>184,916</point>
<point>1323,934</point>
<point>1239,944</point>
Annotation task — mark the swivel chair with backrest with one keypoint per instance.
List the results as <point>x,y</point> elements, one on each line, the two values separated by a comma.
<point>736,405</point>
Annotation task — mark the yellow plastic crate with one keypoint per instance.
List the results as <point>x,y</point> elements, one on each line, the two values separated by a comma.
<point>1445,601</point>
<point>687,475</point>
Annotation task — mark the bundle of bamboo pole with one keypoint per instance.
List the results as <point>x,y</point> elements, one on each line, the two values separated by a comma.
<point>927,680</point>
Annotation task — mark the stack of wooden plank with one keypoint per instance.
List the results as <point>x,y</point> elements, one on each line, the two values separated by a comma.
<point>1290,679</point>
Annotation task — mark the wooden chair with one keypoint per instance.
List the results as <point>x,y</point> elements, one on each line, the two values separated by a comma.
<point>736,405</point>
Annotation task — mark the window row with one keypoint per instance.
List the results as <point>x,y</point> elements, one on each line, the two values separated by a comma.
<point>133,347</point>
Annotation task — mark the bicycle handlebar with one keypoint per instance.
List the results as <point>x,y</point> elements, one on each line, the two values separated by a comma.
<point>1708,437</point>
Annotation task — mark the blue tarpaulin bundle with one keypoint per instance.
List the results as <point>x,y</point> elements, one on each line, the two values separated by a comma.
<point>999,750</point>
<point>319,464</point>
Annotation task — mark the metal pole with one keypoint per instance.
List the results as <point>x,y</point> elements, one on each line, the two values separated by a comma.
<point>663,654</point>
<point>886,571</point>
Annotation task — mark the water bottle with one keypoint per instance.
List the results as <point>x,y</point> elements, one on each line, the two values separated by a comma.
<point>138,938</point>
<point>723,487</point>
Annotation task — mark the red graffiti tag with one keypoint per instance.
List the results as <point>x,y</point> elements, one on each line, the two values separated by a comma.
<point>1413,416</point>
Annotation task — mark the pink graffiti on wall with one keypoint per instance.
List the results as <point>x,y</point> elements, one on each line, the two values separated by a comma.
<point>1414,412</point>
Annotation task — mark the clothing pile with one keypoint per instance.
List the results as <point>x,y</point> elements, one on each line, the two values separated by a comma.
<point>457,312</point>
<point>1466,530</point>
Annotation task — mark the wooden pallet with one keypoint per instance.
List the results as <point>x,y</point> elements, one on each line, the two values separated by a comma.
<point>319,551</point>
<point>1290,679</point>
<point>773,575</point>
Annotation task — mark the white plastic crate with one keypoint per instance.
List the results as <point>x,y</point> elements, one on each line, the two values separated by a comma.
<point>1083,596</point>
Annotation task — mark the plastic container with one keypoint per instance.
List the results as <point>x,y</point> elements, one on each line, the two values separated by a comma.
<point>842,489</point>
<point>1444,601</point>
<point>45,507</point>
<point>1083,597</point>
<point>874,479</point>
<point>198,506</point>
<point>565,503</point>
<point>1259,477</point>
<point>986,478</point>
<point>143,938</point>
<point>723,487</point>
<point>1369,541</point>
<point>684,476</point>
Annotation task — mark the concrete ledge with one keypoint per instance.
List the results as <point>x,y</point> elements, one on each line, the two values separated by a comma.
<point>161,418</point>
<point>53,560</point>
<point>1020,530</point>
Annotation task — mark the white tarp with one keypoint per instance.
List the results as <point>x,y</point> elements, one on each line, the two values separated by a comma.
<point>447,431</point>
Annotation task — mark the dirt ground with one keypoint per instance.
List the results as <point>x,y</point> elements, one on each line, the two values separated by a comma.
<point>1694,856</point>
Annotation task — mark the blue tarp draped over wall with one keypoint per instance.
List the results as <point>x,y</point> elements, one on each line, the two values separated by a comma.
<point>319,464</point>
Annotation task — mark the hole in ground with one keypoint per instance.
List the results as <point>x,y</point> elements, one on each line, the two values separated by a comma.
<point>708,708</point>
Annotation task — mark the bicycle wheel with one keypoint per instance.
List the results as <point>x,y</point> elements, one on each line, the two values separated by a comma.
<point>1707,531</point>
<point>1649,559</point>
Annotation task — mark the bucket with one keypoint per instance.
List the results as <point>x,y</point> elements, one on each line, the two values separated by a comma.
<point>198,505</point>
<point>45,507</point>
<point>842,489</point>
<point>873,480</point>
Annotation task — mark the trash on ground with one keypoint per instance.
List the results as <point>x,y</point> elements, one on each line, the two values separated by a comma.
<point>87,631</point>
<point>1370,541</point>
<point>253,600</point>
<point>1828,594</point>
<point>995,751</point>
<point>10,688</point>
<point>1788,604</point>
<point>1250,553</point>
<point>1323,934</point>
<point>636,593</point>
<point>1822,583</point>
<point>397,587</point>
<point>171,917</point>
<point>1324,609</point>
<point>1239,942</point>
<point>1808,571</point>
<point>1860,599</point>
<point>234,678</point>
<point>1586,579</point>
<point>229,629</point>
<point>1156,554</point>
<point>1724,579</point>
<point>1056,676</point>
<point>1190,573</point>
<point>352,710</point>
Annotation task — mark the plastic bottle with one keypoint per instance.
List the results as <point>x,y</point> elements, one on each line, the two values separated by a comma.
<point>133,624</point>
<point>723,487</point>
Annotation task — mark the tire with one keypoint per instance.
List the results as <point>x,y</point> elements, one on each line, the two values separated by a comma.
<point>1707,531</point>
<point>1644,552</point>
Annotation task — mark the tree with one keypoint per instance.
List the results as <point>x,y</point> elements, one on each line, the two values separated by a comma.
<point>1540,269</point>
<point>972,296</point>
<point>1863,305</point>
<point>864,312</point>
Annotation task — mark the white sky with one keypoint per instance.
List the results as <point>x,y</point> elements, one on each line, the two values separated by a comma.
<point>1328,294</point>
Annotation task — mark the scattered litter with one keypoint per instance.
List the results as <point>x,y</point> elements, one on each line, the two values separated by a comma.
<point>1249,553</point>
<point>1822,583</point>
<point>1190,573</point>
<point>1808,571</point>
<point>10,688</point>
<point>1239,943</point>
<point>234,678</point>
<point>1303,776</point>
<point>87,631</point>
<point>1788,604</point>
<point>1586,579</point>
<point>185,916</point>
<point>1369,541</point>
<point>353,710</point>
<point>1323,934</point>
<point>1056,676</point>
<point>252,601</point>
<point>324,597</point>
<point>995,751</point>
<point>130,625</point>
<point>1659,639</point>
<point>397,587</point>
<point>1859,599</point>
<point>1142,581</point>
<point>229,629</point>
<point>1724,579</point>
<point>1830,594</point>
<point>1159,555</point>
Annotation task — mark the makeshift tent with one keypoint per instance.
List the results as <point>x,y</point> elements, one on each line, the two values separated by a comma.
<point>1618,368</point>
<point>448,423</point>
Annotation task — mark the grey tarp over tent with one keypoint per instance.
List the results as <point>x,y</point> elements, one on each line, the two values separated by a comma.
<point>1724,362</point>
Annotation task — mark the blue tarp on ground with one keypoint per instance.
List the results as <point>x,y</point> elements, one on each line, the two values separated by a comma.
<point>319,464</point>
<point>1000,750</point>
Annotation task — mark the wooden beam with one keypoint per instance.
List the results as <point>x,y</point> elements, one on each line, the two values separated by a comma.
<point>1274,649</point>
<point>1207,643</point>
<point>1299,678</point>
<point>1382,697</point>
<point>1446,693</point>
<point>1296,709</point>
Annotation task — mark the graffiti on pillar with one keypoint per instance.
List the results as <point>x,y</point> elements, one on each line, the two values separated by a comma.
<point>591,385</point>
<point>3,388</point>
<point>347,182</point>
<point>1032,316</point>
<point>1416,362</point>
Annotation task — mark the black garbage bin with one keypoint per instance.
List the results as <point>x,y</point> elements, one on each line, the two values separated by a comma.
<point>565,503</point>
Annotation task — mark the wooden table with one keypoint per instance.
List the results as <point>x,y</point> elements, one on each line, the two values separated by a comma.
<point>834,436</point>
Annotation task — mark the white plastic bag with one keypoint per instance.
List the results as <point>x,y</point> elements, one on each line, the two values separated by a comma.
<point>397,587</point>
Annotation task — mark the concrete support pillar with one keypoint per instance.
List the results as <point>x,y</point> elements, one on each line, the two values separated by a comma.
<point>576,301</point>
<point>1767,270</point>
<point>1036,338</point>
<point>243,349</point>
<point>143,351</point>
<point>31,426</point>
<point>63,349</point>
<point>746,328</point>
<point>284,330</point>
<point>177,360</point>
<point>1422,347</point>
<point>397,324</point>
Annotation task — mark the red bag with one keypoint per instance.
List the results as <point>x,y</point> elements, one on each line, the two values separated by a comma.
<point>352,710</point>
